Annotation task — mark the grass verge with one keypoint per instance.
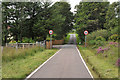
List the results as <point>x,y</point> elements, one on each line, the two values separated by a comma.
<point>22,67</point>
<point>100,65</point>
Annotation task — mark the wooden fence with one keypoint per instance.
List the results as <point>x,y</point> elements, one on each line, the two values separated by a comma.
<point>25,45</point>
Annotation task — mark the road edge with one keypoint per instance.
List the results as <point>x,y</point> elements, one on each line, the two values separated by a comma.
<point>41,65</point>
<point>84,63</point>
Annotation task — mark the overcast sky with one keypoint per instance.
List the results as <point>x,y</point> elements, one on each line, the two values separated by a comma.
<point>75,2</point>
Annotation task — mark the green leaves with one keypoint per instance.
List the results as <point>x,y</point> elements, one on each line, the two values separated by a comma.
<point>90,16</point>
<point>111,16</point>
<point>33,20</point>
<point>61,19</point>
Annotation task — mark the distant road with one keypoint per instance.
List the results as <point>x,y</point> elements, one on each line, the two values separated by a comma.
<point>67,63</point>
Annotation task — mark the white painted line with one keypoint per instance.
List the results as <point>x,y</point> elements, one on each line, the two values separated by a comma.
<point>84,63</point>
<point>41,65</point>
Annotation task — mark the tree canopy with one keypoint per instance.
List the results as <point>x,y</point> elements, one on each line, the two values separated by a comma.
<point>35,19</point>
<point>90,16</point>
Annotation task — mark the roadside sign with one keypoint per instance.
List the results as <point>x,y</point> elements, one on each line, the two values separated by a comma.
<point>86,32</point>
<point>50,32</point>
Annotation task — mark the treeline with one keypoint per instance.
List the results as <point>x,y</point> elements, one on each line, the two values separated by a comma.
<point>33,20</point>
<point>99,18</point>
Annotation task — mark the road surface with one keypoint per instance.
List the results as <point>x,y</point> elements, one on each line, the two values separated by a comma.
<point>67,63</point>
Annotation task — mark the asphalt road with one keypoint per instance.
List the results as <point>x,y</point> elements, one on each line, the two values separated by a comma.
<point>65,64</point>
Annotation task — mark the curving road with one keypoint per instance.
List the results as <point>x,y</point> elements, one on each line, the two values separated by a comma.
<point>67,63</point>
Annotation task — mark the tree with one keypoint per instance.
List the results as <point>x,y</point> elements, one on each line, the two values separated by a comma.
<point>5,23</point>
<point>90,16</point>
<point>42,25</point>
<point>62,19</point>
<point>112,16</point>
<point>35,19</point>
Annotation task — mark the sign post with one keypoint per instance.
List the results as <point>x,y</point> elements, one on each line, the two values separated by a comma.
<point>50,32</point>
<point>86,33</point>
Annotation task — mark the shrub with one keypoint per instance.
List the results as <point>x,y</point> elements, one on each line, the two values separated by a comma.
<point>114,30</point>
<point>104,33</point>
<point>100,41</point>
<point>114,37</point>
<point>28,40</point>
<point>12,41</point>
<point>118,62</point>
<point>92,42</point>
<point>100,50</point>
<point>100,38</point>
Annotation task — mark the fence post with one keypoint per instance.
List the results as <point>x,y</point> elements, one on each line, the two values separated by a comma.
<point>1,49</point>
<point>16,45</point>
<point>6,45</point>
<point>33,45</point>
<point>44,44</point>
<point>23,45</point>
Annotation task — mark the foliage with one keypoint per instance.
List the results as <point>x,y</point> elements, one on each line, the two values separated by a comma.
<point>28,40</point>
<point>114,37</point>
<point>118,62</point>
<point>61,19</point>
<point>103,65</point>
<point>100,41</point>
<point>112,16</point>
<point>12,41</point>
<point>100,38</point>
<point>100,50</point>
<point>66,39</point>
<point>103,33</point>
<point>114,30</point>
<point>78,39</point>
<point>90,16</point>
<point>33,20</point>
<point>92,42</point>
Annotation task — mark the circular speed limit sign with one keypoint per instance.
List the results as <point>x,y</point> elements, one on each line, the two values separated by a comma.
<point>86,32</point>
<point>50,32</point>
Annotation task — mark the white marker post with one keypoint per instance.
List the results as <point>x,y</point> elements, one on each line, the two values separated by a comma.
<point>86,33</point>
<point>50,32</point>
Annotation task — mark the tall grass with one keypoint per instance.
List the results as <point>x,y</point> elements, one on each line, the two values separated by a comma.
<point>103,64</point>
<point>10,54</point>
<point>21,68</point>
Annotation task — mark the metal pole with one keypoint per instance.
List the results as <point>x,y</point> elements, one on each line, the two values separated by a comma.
<point>50,41</point>
<point>85,40</point>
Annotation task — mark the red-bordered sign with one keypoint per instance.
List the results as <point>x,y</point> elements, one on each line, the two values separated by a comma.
<point>50,32</point>
<point>86,32</point>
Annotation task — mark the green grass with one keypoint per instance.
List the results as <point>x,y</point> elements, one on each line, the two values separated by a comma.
<point>67,39</point>
<point>10,54</point>
<point>101,65</point>
<point>0,63</point>
<point>22,67</point>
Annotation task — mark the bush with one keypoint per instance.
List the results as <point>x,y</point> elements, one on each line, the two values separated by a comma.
<point>12,41</point>
<point>100,41</point>
<point>104,33</point>
<point>92,42</point>
<point>114,30</point>
<point>114,37</point>
<point>100,38</point>
<point>28,40</point>
<point>118,62</point>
